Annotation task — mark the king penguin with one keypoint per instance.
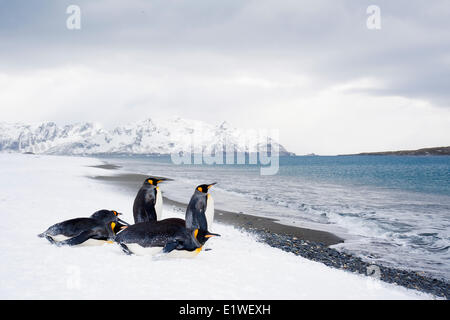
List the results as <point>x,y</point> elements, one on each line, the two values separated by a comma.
<point>100,227</point>
<point>168,236</point>
<point>200,210</point>
<point>148,202</point>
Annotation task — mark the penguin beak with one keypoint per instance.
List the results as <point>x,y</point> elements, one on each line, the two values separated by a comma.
<point>210,185</point>
<point>161,180</point>
<point>123,222</point>
<point>209,235</point>
<point>119,226</point>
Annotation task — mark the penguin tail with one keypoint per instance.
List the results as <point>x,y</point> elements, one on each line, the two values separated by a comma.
<point>42,235</point>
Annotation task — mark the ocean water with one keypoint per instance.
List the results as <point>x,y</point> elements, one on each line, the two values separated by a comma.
<point>393,210</point>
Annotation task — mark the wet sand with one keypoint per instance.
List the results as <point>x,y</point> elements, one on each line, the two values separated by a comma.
<point>240,220</point>
<point>107,166</point>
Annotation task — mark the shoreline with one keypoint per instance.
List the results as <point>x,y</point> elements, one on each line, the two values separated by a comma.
<point>308,243</point>
<point>254,223</point>
<point>245,221</point>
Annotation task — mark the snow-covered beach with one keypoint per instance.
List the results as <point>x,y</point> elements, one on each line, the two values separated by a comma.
<point>38,191</point>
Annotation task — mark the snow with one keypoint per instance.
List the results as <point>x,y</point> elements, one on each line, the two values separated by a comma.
<point>162,136</point>
<point>38,191</point>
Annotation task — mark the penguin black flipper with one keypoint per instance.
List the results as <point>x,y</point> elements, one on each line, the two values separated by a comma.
<point>79,239</point>
<point>170,246</point>
<point>149,207</point>
<point>195,214</point>
<point>125,249</point>
<point>144,205</point>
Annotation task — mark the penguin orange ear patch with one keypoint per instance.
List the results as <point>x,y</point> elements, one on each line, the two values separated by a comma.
<point>150,181</point>
<point>200,189</point>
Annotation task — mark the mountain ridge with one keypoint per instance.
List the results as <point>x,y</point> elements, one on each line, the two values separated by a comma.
<point>444,151</point>
<point>164,136</point>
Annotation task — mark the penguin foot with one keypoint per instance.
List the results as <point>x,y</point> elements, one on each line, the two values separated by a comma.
<point>51,240</point>
<point>125,249</point>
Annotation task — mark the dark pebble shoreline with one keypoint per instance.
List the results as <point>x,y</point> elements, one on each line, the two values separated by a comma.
<point>319,252</point>
<point>309,244</point>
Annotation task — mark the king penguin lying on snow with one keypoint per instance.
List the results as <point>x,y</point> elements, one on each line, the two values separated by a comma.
<point>170,236</point>
<point>100,227</point>
<point>181,238</point>
<point>148,202</point>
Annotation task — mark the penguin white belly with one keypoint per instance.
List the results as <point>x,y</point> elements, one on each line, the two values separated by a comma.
<point>158,204</point>
<point>209,212</point>
<point>87,243</point>
<point>183,253</point>
<point>92,243</point>
<point>59,237</point>
<point>142,251</point>
<point>153,251</point>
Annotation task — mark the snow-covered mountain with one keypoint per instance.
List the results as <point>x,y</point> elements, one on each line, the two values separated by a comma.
<point>144,137</point>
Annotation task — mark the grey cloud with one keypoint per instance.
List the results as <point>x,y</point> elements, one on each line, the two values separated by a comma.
<point>327,40</point>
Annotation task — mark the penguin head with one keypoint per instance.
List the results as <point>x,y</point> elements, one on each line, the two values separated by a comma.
<point>108,216</point>
<point>153,181</point>
<point>203,235</point>
<point>105,215</point>
<point>203,188</point>
<point>116,226</point>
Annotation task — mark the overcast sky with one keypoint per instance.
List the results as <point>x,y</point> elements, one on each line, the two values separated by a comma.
<point>311,69</point>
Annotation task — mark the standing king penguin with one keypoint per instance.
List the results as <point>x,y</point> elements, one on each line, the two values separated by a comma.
<point>200,210</point>
<point>148,202</point>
